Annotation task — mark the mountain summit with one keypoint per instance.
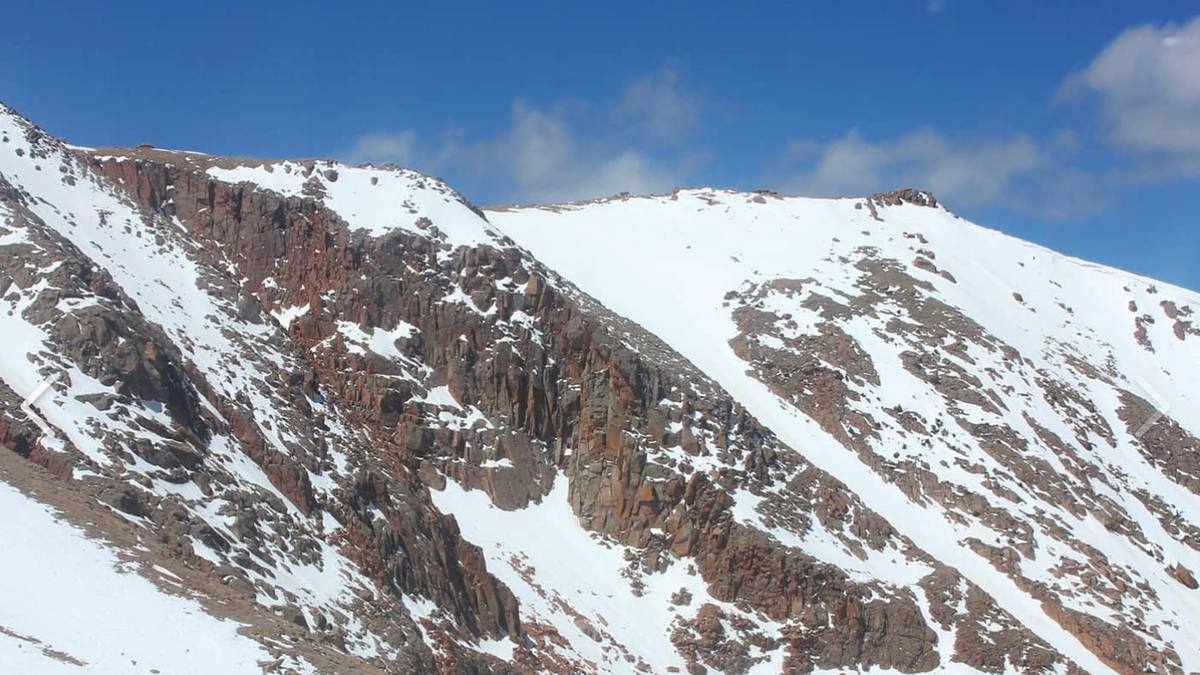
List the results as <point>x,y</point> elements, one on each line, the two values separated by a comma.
<point>304,417</point>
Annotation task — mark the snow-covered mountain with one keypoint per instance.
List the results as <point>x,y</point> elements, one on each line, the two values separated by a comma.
<point>318,418</point>
<point>983,394</point>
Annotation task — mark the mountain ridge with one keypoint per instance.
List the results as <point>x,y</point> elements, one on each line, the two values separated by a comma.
<point>431,362</point>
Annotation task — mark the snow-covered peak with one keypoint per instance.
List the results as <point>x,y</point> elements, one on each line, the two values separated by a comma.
<point>921,360</point>
<point>374,199</point>
<point>866,435</point>
<point>737,238</point>
<point>722,199</point>
<point>377,200</point>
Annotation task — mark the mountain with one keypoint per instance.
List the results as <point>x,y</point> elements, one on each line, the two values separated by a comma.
<point>314,418</point>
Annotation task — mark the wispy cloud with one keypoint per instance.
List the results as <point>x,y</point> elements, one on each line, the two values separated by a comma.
<point>1017,171</point>
<point>659,106</point>
<point>399,147</point>
<point>561,153</point>
<point>541,157</point>
<point>1147,84</point>
<point>936,6</point>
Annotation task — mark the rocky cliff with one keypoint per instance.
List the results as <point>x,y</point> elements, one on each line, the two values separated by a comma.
<point>350,407</point>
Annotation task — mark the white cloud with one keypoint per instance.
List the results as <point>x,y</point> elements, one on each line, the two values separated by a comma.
<point>657,104</point>
<point>541,159</point>
<point>936,6</point>
<point>1147,84</point>
<point>964,172</point>
<point>398,147</point>
<point>1015,171</point>
<point>1147,81</point>
<point>559,154</point>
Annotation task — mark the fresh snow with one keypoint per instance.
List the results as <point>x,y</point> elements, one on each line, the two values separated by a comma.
<point>700,244</point>
<point>396,200</point>
<point>576,572</point>
<point>378,340</point>
<point>287,315</point>
<point>440,396</point>
<point>148,257</point>
<point>77,599</point>
<point>703,243</point>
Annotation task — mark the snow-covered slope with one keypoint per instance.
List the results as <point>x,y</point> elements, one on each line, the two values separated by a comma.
<point>374,434</point>
<point>71,607</point>
<point>917,313</point>
<point>168,406</point>
<point>377,201</point>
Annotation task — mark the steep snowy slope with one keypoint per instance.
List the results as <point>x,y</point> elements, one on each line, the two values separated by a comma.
<point>89,615</point>
<point>264,381</point>
<point>508,438</point>
<point>370,429</point>
<point>982,393</point>
<point>178,403</point>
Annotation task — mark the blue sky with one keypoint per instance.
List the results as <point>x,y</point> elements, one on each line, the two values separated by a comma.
<point>1073,124</point>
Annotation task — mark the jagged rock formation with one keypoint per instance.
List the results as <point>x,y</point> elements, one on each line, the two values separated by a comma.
<point>344,401</point>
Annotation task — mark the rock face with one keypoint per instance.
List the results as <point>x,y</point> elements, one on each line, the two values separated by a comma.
<point>1006,441</point>
<point>346,396</point>
<point>513,347</point>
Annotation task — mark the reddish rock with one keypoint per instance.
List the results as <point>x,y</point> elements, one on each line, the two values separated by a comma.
<point>1184,575</point>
